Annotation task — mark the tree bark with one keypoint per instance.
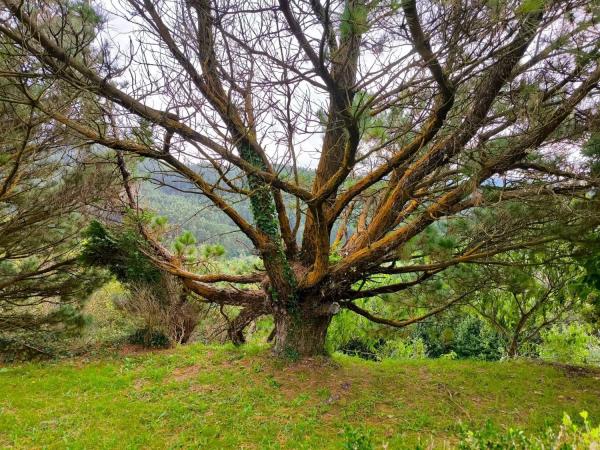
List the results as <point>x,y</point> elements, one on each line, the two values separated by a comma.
<point>513,349</point>
<point>236,328</point>
<point>302,332</point>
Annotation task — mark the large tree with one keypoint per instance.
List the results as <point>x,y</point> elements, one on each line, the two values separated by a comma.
<point>48,191</point>
<point>414,116</point>
<point>50,184</point>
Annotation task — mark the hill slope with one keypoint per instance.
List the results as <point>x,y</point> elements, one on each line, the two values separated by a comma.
<point>187,209</point>
<point>220,397</point>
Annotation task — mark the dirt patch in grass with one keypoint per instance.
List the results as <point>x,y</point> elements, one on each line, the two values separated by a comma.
<point>185,373</point>
<point>323,379</point>
<point>574,371</point>
<point>139,384</point>
<point>202,389</point>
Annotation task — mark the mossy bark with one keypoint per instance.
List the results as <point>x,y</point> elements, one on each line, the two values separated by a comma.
<point>300,333</point>
<point>281,275</point>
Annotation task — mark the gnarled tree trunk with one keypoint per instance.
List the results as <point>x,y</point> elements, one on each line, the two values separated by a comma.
<point>301,332</point>
<point>513,348</point>
<point>236,328</point>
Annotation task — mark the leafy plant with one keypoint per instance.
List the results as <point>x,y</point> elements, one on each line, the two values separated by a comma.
<point>155,297</point>
<point>475,339</point>
<point>569,436</point>
<point>566,344</point>
<point>401,349</point>
<point>357,438</point>
<point>121,253</point>
<point>461,335</point>
<point>149,338</point>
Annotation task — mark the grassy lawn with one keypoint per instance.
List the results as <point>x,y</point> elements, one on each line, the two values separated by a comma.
<point>221,397</point>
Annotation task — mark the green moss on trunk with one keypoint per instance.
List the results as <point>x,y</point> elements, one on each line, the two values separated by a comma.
<point>264,213</point>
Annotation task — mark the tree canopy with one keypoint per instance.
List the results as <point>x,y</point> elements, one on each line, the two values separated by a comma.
<point>48,191</point>
<point>457,124</point>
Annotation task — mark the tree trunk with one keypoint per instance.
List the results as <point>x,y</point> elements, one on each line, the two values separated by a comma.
<point>236,328</point>
<point>513,349</point>
<point>187,332</point>
<point>301,333</point>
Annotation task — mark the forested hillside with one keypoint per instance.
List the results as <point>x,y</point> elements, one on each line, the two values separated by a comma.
<point>185,213</point>
<point>177,199</point>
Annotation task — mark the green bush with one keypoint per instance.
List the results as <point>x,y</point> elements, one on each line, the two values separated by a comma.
<point>449,356</point>
<point>462,336</point>
<point>475,339</point>
<point>149,338</point>
<point>400,349</point>
<point>569,436</point>
<point>594,353</point>
<point>29,346</point>
<point>106,325</point>
<point>566,344</point>
<point>122,253</point>
<point>155,297</point>
<point>362,347</point>
<point>459,335</point>
<point>353,335</point>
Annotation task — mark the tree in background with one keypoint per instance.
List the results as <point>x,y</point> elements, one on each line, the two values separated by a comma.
<point>416,116</point>
<point>51,183</point>
<point>47,194</point>
<point>528,294</point>
<point>589,284</point>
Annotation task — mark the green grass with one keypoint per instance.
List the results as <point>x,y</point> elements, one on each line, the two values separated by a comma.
<point>221,397</point>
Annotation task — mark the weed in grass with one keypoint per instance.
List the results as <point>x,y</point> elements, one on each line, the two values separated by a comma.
<point>358,438</point>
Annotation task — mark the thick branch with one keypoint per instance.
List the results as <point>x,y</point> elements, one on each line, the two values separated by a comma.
<point>403,323</point>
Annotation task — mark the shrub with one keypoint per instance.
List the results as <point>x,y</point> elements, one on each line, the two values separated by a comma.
<point>464,336</point>
<point>27,347</point>
<point>399,349</point>
<point>353,335</point>
<point>164,309</point>
<point>475,339</point>
<point>362,348</point>
<point>594,352</point>
<point>149,338</point>
<point>449,356</point>
<point>154,297</point>
<point>106,325</point>
<point>47,338</point>
<point>569,436</point>
<point>566,344</point>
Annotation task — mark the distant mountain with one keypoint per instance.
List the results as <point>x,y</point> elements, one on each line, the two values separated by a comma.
<point>169,195</point>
